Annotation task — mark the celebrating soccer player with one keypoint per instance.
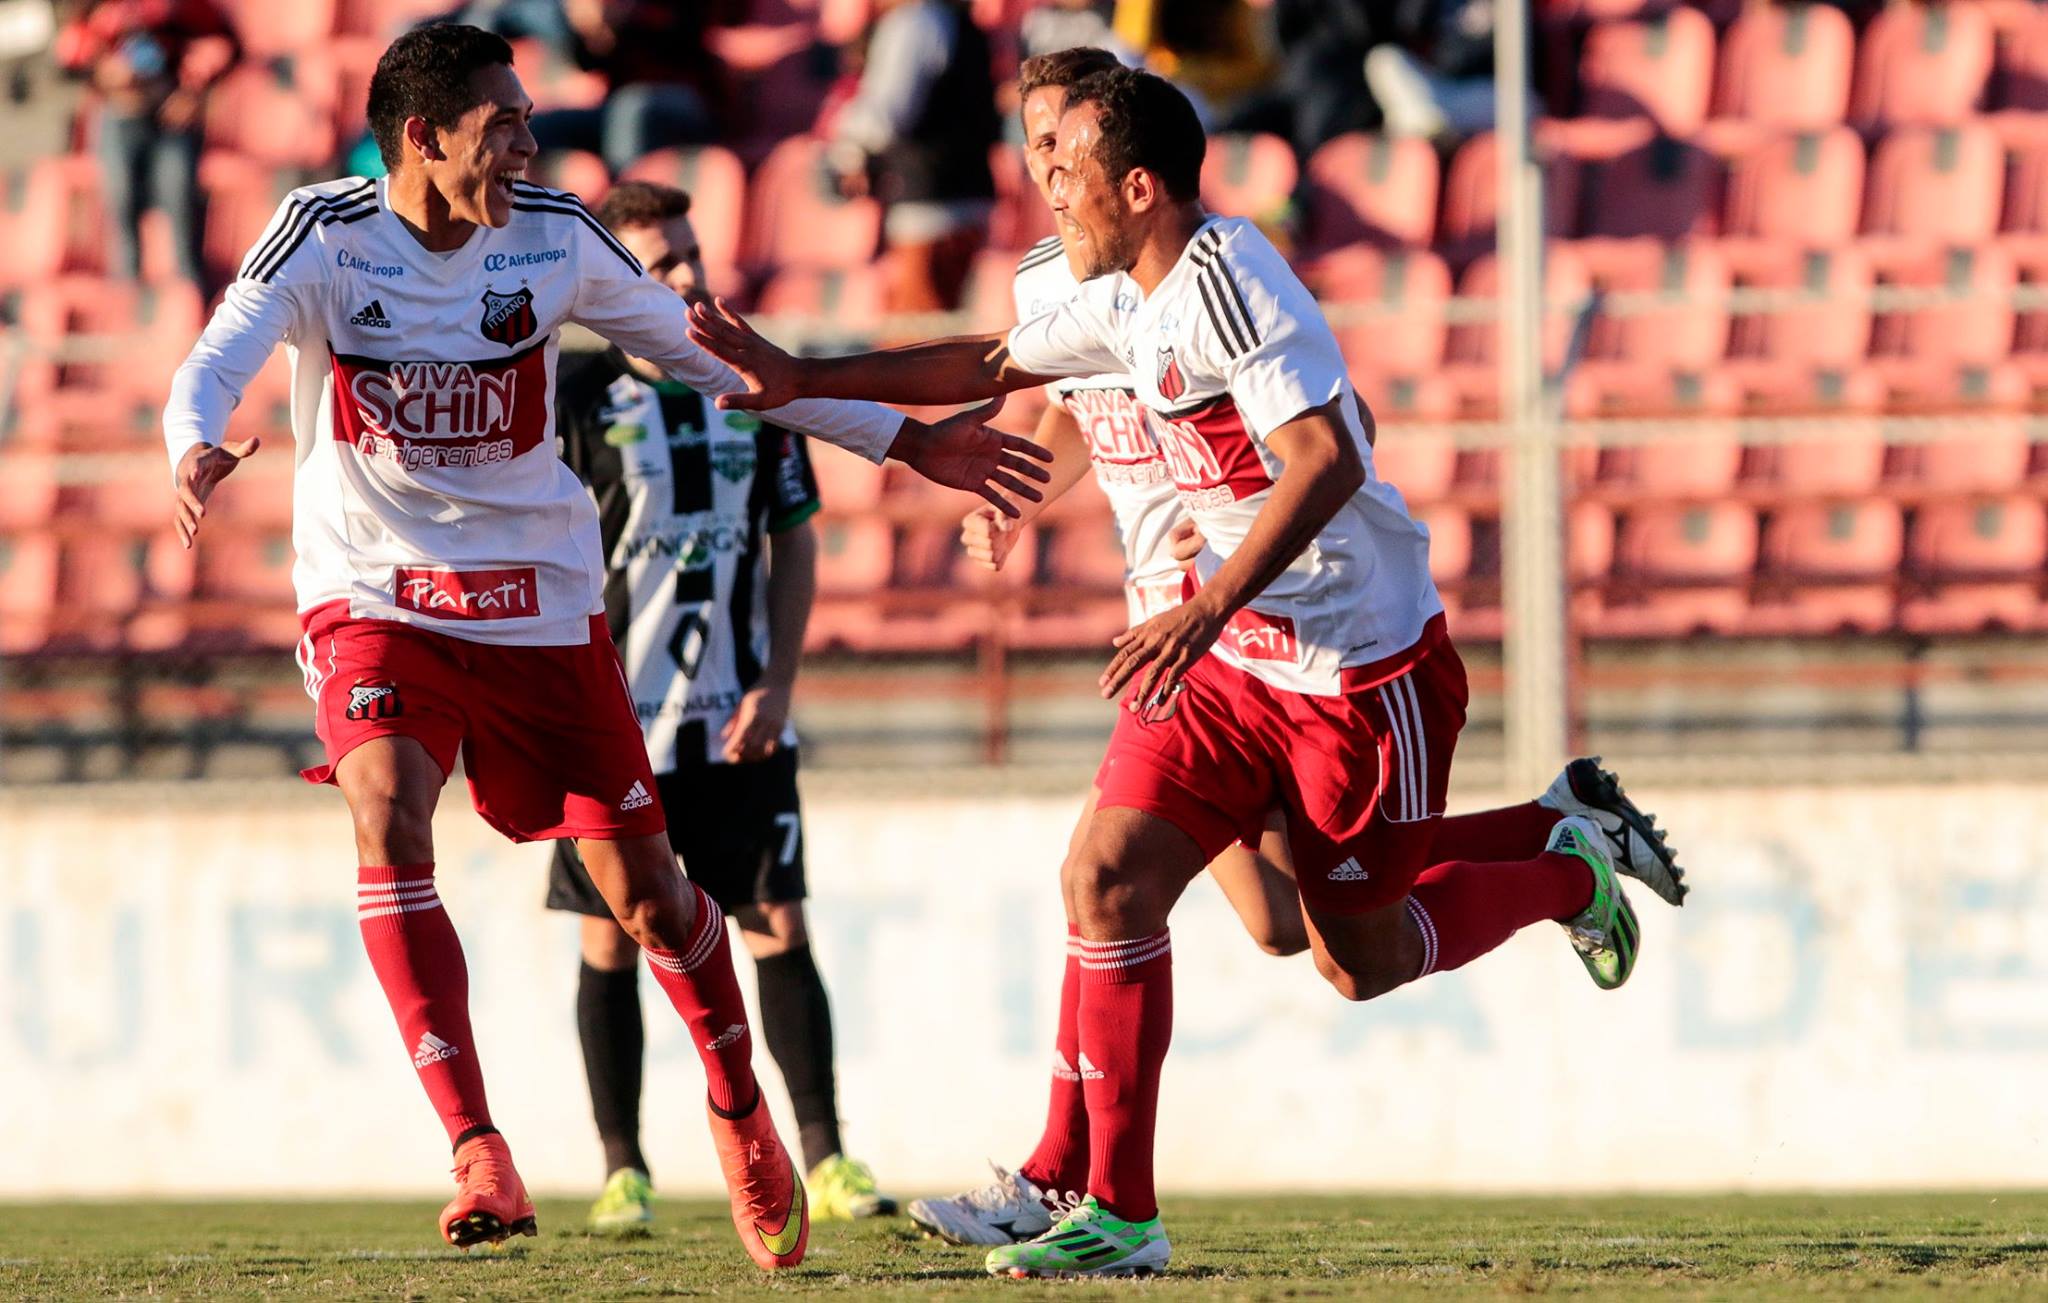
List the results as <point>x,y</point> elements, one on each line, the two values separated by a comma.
<point>711,565</point>
<point>449,574</point>
<point>1310,667</point>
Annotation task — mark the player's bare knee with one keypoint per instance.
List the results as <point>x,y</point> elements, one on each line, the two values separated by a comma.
<point>1281,943</point>
<point>392,826</point>
<point>1110,899</point>
<point>1359,980</point>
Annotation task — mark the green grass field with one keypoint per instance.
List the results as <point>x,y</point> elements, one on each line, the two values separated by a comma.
<point>1810,1246</point>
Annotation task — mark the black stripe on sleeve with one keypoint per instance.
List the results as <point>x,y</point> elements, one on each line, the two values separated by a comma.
<point>338,210</point>
<point>1226,329</point>
<point>1210,257</point>
<point>300,211</point>
<point>1039,254</point>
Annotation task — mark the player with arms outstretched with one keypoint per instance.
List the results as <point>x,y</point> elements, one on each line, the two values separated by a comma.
<point>449,575</point>
<point>1309,666</point>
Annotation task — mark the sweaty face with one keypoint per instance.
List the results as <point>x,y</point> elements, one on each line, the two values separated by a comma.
<point>670,253</point>
<point>485,151</point>
<point>1086,202</point>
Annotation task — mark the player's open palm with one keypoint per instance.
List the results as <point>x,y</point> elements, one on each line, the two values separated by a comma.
<point>201,468</point>
<point>1151,658</point>
<point>962,452</point>
<point>770,374</point>
<point>988,537</point>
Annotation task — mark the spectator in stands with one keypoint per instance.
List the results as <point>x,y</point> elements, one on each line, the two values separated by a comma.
<point>916,135</point>
<point>1435,77</point>
<point>151,64</point>
<point>1066,24</point>
<point>663,78</point>
<point>1318,90</point>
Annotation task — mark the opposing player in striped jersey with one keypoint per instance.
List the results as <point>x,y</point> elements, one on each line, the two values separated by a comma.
<point>449,576</point>
<point>1309,664</point>
<point>1097,421</point>
<point>711,560</point>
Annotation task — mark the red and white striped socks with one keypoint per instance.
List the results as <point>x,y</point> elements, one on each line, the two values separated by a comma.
<point>1125,1023</point>
<point>1060,1163</point>
<point>418,961</point>
<point>700,983</point>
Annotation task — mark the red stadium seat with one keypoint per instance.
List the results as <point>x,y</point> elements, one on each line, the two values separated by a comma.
<point>1994,457</point>
<point>717,186</point>
<point>61,225</point>
<point>1450,543</point>
<point>1981,565</point>
<point>1021,217</point>
<point>241,197</point>
<point>851,299</point>
<point>1249,176</point>
<point>1407,398</point>
<point>247,577</point>
<point>797,218</point>
<point>2030,330</point>
<point>1805,187</point>
<point>990,296</point>
<point>259,111</point>
<point>1373,189</point>
<point>1682,570</point>
<point>1936,183</point>
<point>1921,65</point>
<point>1664,188</point>
<point>2023,64</point>
<point>28,590</point>
<point>269,29</point>
<point>1659,361</point>
<point>1842,464</point>
<point>336,75</point>
<point>1830,569</point>
<point>1787,65</point>
<point>1952,355</point>
<point>1702,466</point>
<point>1409,288</point>
<point>578,171</point>
<point>71,377</point>
<point>1802,359</point>
<point>1471,353</point>
<point>1471,199</point>
<point>1420,464</point>
<point>1660,67</point>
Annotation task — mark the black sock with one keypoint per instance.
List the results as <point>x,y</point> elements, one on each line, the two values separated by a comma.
<point>796,1021</point>
<point>608,1024</point>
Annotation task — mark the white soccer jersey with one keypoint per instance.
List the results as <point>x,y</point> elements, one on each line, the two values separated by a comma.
<point>1228,348</point>
<point>1126,458</point>
<point>427,488</point>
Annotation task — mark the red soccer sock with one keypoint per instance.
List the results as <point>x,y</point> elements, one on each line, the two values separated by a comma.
<point>418,962</point>
<point>701,985</point>
<point>1513,833</point>
<point>1125,1022</point>
<point>1060,1163</point>
<point>1465,909</point>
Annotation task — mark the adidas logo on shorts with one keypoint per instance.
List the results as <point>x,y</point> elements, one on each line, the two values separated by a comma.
<point>637,797</point>
<point>1349,871</point>
<point>432,1049</point>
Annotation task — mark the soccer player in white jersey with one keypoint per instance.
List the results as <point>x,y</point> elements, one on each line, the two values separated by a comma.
<point>449,576</point>
<point>1309,665</point>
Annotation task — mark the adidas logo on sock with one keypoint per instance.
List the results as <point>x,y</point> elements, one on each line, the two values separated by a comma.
<point>1349,871</point>
<point>372,316</point>
<point>730,1035</point>
<point>637,797</point>
<point>1063,1069</point>
<point>1089,1072</point>
<point>432,1049</point>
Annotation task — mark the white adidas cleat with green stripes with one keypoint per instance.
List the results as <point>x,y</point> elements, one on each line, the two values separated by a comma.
<point>1089,1241</point>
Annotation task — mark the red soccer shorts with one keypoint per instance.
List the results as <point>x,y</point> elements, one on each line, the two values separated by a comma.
<point>1362,774</point>
<point>547,734</point>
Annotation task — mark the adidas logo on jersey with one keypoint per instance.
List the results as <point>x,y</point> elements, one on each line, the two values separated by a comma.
<point>1349,871</point>
<point>372,316</point>
<point>1089,1072</point>
<point>432,1049</point>
<point>728,1037</point>
<point>637,797</point>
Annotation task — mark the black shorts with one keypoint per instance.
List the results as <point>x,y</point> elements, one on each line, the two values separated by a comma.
<point>738,830</point>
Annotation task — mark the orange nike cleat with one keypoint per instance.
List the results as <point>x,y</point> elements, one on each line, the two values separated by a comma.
<point>768,1206</point>
<point>491,1204</point>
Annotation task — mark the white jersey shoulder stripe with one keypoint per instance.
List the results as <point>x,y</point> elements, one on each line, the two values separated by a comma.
<point>1039,254</point>
<point>539,199</point>
<point>304,210</point>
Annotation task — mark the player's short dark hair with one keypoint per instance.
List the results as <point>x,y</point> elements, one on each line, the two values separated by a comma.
<point>1062,68</point>
<point>429,73</point>
<point>642,203</point>
<point>1144,121</point>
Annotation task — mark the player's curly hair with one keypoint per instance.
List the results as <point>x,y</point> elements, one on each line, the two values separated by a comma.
<point>1144,121</point>
<point>641,203</point>
<point>1062,68</point>
<point>429,73</point>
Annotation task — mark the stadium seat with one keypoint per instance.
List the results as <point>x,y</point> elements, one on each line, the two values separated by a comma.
<point>246,576</point>
<point>269,29</point>
<point>1660,67</point>
<point>1249,176</point>
<point>1923,65</point>
<point>1664,189</point>
<point>1936,183</point>
<point>259,110</point>
<point>797,219</point>
<point>1420,463</point>
<point>1021,217</point>
<point>1471,198</point>
<point>717,186</point>
<point>256,497</point>
<point>1681,570</point>
<point>242,196</point>
<point>1806,358</point>
<point>1841,462</point>
<point>69,381</point>
<point>2029,254</point>
<point>552,80</point>
<point>2023,64</point>
<point>1471,351</point>
<point>1830,568</point>
<point>31,498</point>
<point>1703,465</point>
<point>1804,187</point>
<point>1078,603</point>
<point>1949,356</point>
<point>1787,65</point>
<point>1995,456</point>
<point>578,171</point>
<point>1373,189</point>
<point>990,295</point>
<point>1407,398</point>
<point>1387,307</point>
<point>1976,565</point>
<point>28,590</point>
<point>1659,361</point>
<point>850,300</point>
<point>61,225</point>
<point>335,74</point>
<point>99,587</point>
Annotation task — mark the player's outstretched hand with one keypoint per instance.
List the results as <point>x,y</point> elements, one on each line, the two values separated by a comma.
<point>988,535</point>
<point>755,729</point>
<point>1154,656</point>
<point>1185,542</point>
<point>770,373</point>
<point>962,452</point>
<point>203,466</point>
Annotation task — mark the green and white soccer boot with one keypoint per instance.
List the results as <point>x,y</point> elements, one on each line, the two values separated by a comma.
<point>1605,932</point>
<point>1088,1241</point>
<point>844,1190</point>
<point>627,1205</point>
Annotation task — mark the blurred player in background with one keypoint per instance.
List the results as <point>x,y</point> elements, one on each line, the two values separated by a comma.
<point>449,575</point>
<point>710,570</point>
<point>1338,695</point>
